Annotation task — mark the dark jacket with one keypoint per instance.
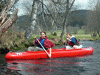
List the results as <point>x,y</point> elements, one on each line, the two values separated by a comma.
<point>73,41</point>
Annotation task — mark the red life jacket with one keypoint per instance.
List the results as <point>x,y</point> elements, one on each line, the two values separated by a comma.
<point>70,43</point>
<point>46,43</point>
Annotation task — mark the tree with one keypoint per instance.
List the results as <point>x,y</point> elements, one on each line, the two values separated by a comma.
<point>50,15</point>
<point>27,6</point>
<point>68,8</point>
<point>98,17</point>
<point>94,20</point>
<point>30,29</point>
<point>6,20</point>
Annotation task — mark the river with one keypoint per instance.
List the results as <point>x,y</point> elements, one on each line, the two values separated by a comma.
<point>85,65</point>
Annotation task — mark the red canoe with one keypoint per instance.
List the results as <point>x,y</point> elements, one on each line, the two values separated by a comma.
<point>55,53</point>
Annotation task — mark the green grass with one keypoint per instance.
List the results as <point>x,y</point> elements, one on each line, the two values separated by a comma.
<point>52,36</point>
<point>81,31</point>
<point>96,38</point>
<point>79,35</point>
<point>32,38</point>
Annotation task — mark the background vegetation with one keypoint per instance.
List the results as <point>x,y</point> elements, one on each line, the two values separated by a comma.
<point>57,18</point>
<point>18,41</point>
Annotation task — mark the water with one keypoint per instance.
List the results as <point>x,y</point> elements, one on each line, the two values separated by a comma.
<point>86,65</point>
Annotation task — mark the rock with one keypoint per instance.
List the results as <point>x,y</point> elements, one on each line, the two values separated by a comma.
<point>4,50</point>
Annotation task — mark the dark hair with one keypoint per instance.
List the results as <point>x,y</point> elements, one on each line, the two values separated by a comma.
<point>43,32</point>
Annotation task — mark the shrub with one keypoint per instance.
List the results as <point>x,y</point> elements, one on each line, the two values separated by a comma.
<point>55,34</point>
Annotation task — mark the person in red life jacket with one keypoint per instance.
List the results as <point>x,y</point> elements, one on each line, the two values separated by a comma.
<point>72,42</point>
<point>46,43</point>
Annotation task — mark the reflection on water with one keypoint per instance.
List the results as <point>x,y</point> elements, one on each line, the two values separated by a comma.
<point>46,66</point>
<point>86,65</point>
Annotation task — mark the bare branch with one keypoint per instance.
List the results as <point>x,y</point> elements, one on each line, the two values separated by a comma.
<point>8,23</point>
<point>5,11</point>
<point>50,13</point>
<point>66,15</point>
<point>71,4</point>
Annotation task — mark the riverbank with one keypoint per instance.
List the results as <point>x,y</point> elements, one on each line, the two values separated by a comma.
<point>18,42</point>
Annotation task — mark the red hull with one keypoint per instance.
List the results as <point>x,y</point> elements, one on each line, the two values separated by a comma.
<point>55,53</point>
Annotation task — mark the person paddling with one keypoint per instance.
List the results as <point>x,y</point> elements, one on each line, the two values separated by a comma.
<point>45,42</point>
<point>72,42</point>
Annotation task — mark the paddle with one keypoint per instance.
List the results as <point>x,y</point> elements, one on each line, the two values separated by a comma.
<point>49,55</point>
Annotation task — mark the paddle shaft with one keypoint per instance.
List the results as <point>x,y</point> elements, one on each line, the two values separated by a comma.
<point>44,49</point>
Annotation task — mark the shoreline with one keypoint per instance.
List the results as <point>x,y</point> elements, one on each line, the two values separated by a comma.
<point>86,39</point>
<point>5,50</point>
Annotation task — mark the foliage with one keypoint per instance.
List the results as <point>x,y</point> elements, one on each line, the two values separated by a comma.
<point>12,39</point>
<point>55,34</point>
<point>16,41</point>
<point>75,30</point>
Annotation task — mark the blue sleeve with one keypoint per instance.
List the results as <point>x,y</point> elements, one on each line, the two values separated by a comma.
<point>73,40</point>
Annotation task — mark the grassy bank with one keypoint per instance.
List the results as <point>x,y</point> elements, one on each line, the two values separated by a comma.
<point>80,35</point>
<point>21,43</point>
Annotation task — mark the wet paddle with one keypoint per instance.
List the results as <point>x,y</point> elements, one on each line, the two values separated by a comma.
<point>49,55</point>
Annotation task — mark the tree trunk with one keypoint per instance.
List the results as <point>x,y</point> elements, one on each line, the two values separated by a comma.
<point>98,33</point>
<point>33,20</point>
<point>64,23</point>
<point>43,17</point>
<point>66,15</point>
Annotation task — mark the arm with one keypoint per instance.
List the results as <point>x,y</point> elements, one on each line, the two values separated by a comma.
<point>73,40</point>
<point>35,42</point>
<point>68,39</point>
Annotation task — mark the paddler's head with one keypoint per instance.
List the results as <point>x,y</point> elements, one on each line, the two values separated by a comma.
<point>43,34</point>
<point>69,35</point>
